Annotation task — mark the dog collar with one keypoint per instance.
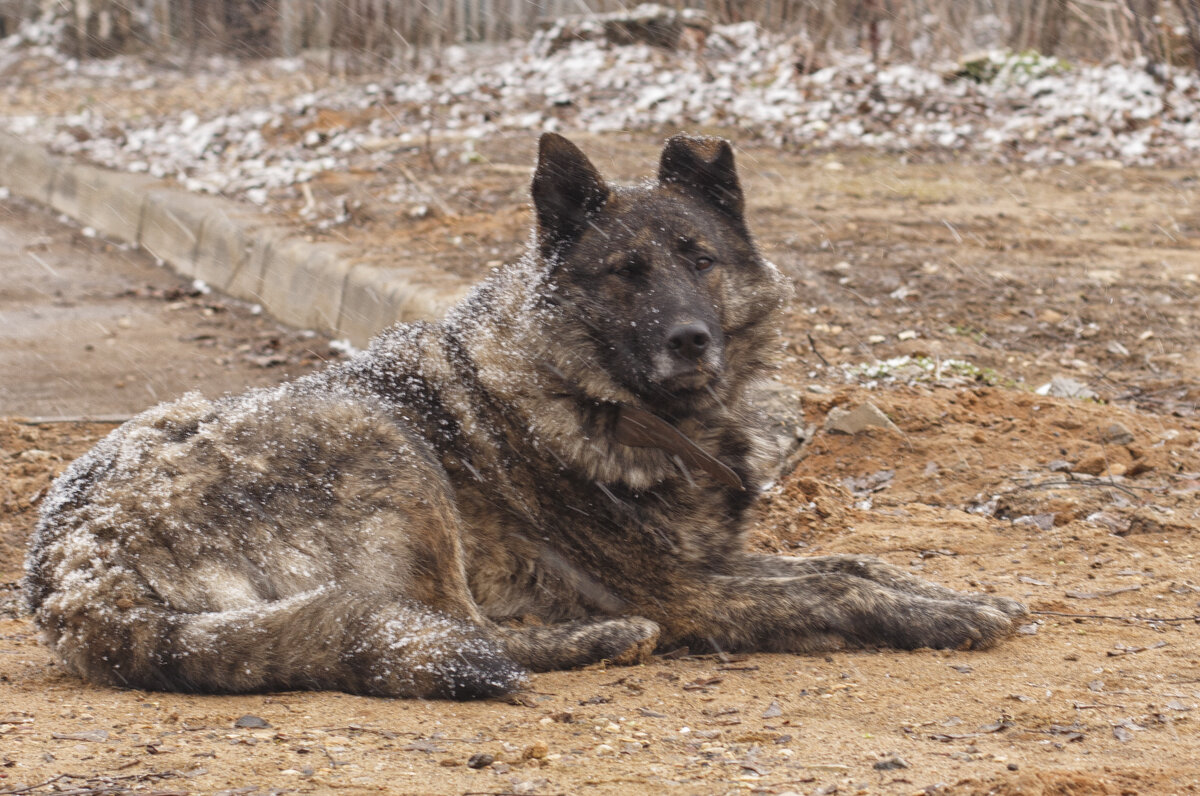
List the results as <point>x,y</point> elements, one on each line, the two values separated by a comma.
<point>638,428</point>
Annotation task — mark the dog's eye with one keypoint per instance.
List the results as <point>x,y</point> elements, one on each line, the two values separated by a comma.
<point>629,268</point>
<point>704,263</point>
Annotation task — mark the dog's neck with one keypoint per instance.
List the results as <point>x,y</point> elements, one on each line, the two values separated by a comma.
<point>638,428</point>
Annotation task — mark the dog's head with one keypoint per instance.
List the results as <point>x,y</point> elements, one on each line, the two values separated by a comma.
<point>658,287</point>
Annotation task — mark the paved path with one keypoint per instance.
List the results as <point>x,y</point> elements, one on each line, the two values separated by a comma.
<point>89,328</point>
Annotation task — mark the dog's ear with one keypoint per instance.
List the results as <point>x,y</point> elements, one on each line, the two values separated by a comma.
<point>703,166</point>
<point>567,189</point>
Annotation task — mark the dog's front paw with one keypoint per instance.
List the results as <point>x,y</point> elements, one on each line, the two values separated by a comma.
<point>639,637</point>
<point>952,625</point>
<point>1007,606</point>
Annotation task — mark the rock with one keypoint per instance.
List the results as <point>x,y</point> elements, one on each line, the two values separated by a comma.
<point>1150,520</point>
<point>857,420</point>
<point>1065,387</point>
<point>1050,316</point>
<point>1108,520</point>
<point>535,751</point>
<point>252,722</point>
<point>480,760</point>
<point>1042,522</point>
<point>1116,434</point>
<point>890,764</point>
<point>95,736</point>
<point>1090,464</point>
<point>773,710</point>
<point>1059,466</point>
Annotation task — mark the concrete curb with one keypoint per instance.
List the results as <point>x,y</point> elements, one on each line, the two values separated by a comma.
<point>230,246</point>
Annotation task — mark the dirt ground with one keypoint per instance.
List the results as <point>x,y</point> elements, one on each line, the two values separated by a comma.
<point>991,280</point>
<point>93,329</point>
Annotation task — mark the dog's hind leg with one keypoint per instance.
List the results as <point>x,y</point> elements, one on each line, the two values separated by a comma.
<point>622,640</point>
<point>322,639</point>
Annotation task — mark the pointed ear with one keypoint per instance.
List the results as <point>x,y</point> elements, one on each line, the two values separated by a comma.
<point>705,167</point>
<point>566,190</point>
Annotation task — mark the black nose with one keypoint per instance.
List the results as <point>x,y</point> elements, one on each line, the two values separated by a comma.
<point>689,340</point>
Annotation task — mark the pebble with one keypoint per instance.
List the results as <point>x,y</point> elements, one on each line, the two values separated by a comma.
<point>535,751</point>
<point>1064,387</point>
<point>480,760</point>
<point>253,722</point>
<point>1117,434</point>
<point>854,421</point>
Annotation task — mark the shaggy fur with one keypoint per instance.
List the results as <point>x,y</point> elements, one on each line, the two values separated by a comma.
<point>571,447</point>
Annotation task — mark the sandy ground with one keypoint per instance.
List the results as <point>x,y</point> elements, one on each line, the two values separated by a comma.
<point>995,280</point>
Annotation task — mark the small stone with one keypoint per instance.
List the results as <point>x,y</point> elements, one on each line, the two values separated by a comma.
<point>1117,434</point>
<point>252,722</point>
<point>1050,316</point>
<point>480,760</point>
<point>773,710</point>
<point>891,764</point>
<point>95,736</point>
<point>857,420</point>
<point>1059,466</point>
<point>535,751</point>
<point>1042,522</point>
<point>1147,519</point>
<point>1013,767</point>
<point>1090,464</point>
<point>1064,387</point>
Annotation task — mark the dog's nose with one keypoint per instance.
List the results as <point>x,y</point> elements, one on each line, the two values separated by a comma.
<point>689,340</point>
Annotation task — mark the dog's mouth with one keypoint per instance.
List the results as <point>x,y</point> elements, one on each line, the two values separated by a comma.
<point>692,380</point>
<point>688,380</point>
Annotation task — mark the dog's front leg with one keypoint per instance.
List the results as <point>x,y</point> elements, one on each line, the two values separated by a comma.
<point>868,568</point>
<point>824,610</point>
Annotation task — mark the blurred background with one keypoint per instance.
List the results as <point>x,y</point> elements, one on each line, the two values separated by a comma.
<point>396,31</point>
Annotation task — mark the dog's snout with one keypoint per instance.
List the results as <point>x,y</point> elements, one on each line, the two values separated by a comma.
<point>689,340</point>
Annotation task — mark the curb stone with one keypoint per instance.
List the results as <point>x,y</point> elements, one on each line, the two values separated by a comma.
<point>26,169</point>
<point>172,225</point>
<point>109,202</point>
<point>236,249</point>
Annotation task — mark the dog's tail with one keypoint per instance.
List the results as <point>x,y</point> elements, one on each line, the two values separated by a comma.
<point>321,639</point>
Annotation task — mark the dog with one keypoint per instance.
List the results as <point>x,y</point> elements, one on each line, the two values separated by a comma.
<point>560,472</point>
